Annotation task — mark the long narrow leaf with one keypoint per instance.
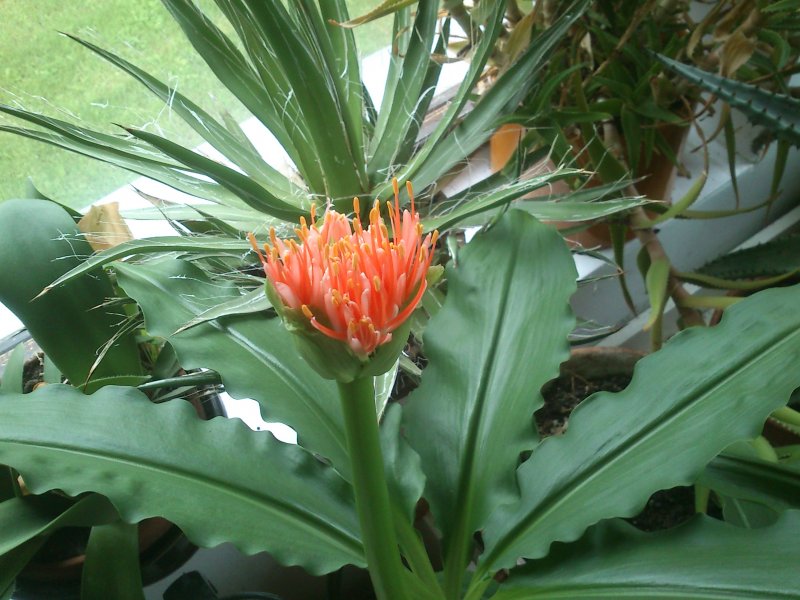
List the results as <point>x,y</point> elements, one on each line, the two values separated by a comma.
<point>250,192</point>
<point>243,155</point>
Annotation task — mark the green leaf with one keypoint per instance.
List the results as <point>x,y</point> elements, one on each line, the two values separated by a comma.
<point>312,91</point>
<point>780,113</point>
<point>12,379</point>
<point>242,154</point>
<point>253,301</point>
<point>773,258</point>
<point>704,558</point>
<point>39,242</point>
<point>23,519</point>
<point>254,354</point>
<point>741,475</point>
<point>162,460</point>
<point>472,414</point>
<point>500,196</point>
<point>703,391</point>
<point>232,69</point>
<point>247,189</point>
<point>11,563</point>
<point>387,7</point>
<point>410,60</point>
<point>404,473</point>
<point>112,564</point>
<point>656,283</point>
<point>160,245</point>
<point>441,152</point>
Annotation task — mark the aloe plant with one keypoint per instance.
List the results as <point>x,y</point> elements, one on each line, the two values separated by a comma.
<point>779,113</point>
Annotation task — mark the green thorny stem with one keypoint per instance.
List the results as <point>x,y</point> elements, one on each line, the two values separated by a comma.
<point>369,483</point>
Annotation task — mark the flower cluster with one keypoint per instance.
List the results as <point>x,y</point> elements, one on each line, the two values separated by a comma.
<point>353,284</point>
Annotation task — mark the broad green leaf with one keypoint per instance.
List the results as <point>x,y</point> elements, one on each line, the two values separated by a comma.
<point>404,473</point>
<point>704,558</point>
<point>23,519</point>
<point>11,563</point>
<point>112,564</point>
<point>12,376</point>
<point>162,460</point>
<point>39,242</point>
<point>745,476</point>
<point>500,335</point>
<point>159,245</point>
<point>254,354</point>
<point>702,392</point>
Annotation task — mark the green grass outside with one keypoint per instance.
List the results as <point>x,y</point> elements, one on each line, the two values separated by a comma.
<point>46,71</point>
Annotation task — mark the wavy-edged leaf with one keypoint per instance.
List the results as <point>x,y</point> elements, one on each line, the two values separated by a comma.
<point>774,258</point>
<point>162,460</point>
<point>500,335</point>
<point>23,519</point>
<point>704,558</point>
<point>159,245</point>
<point>254,354</point>
<point>703,391</point>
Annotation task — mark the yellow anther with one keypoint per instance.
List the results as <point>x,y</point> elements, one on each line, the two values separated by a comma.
<point>307,311</point>
<point>376,283</point>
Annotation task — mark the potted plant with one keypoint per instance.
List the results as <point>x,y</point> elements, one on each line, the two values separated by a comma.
<point>347,493</point>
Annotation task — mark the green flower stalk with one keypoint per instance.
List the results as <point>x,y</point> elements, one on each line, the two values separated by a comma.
<point>347,293</point>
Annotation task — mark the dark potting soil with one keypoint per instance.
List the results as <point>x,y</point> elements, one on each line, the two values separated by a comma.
<point>664,509</point>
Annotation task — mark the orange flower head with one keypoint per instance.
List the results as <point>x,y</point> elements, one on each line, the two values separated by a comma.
<point>353,284</point>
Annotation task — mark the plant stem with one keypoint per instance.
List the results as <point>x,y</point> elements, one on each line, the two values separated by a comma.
<point>369,483</point>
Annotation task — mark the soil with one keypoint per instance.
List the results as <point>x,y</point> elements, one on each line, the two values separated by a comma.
<point>664,509</point>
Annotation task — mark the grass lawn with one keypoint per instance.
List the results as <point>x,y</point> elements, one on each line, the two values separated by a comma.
<point>46,71</point>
